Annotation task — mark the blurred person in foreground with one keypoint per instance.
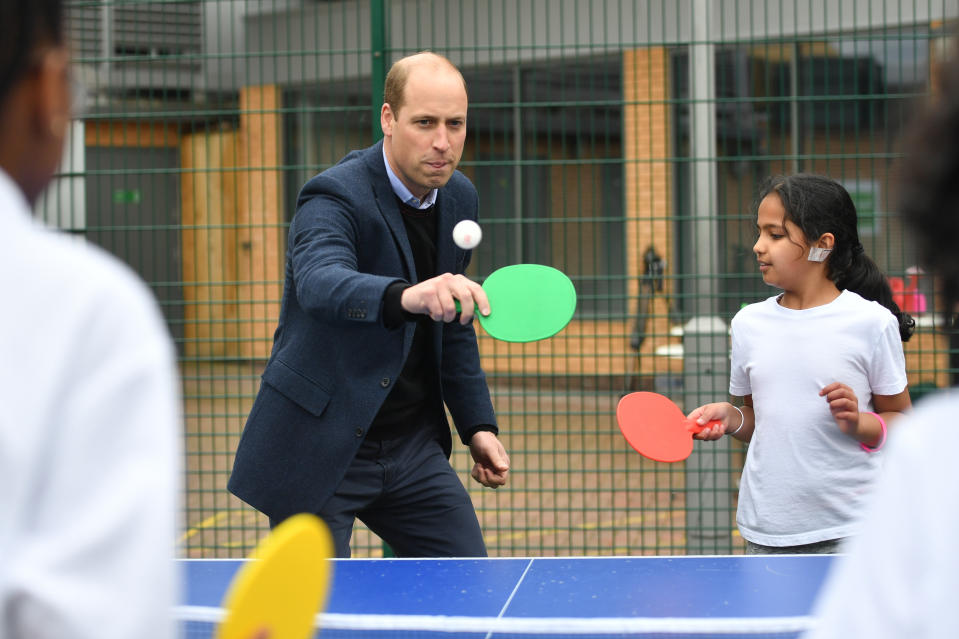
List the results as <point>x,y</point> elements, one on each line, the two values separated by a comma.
<point>901,575</point>
<point>90,421</point>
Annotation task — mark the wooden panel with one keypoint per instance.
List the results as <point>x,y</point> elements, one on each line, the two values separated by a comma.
<point>648,178</point>
<point>260,234</point>
<point>145,134</point>
<point>209,244</point>
<point>927,358</point>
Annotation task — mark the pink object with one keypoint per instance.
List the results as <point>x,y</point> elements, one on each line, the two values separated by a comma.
<point>906,295</point>
<point>882,438</point>
<point>916,302</point>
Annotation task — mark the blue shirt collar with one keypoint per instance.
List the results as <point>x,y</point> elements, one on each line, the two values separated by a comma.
<point>404,193</point>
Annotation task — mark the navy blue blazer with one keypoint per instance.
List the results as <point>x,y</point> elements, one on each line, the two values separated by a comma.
<point>333,360</point>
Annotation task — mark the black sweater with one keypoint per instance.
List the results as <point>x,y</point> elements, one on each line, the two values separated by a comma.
<point>408,406</point>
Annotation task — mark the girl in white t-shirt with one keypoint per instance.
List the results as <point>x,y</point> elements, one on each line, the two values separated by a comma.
<point>820,369</point>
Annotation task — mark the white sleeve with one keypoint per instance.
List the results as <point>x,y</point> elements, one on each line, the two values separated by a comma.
<point>738,378</point>
<point>95,559</point>
<point>887,372</point>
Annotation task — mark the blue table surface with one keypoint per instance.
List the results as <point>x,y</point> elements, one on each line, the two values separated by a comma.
<point>681,586</point>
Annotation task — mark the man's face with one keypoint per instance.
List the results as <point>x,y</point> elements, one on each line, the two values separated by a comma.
<point>424,139</point>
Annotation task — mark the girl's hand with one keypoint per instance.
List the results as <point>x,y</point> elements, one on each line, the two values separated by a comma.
<point>720,410</point>
<point>844,406</point>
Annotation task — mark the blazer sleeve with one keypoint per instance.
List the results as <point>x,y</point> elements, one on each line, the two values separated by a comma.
<point>465,389</point>
<point>332,237</point>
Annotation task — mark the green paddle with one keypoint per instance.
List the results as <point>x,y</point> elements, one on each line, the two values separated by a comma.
<point>528,302</point>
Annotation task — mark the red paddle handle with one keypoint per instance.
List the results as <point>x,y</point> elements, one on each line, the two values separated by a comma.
<point>695,428</point>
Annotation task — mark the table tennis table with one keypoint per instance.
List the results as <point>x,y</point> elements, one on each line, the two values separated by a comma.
<point>692,593</point>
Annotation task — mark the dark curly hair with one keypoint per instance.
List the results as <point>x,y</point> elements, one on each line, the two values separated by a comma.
<point>25,25</point>
<point>818,204</point>
<point>929,182</point>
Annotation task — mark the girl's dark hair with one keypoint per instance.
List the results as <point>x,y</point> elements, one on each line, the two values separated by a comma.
<point>817,205</point>
<point>24,26</point>
<point>929,183</point>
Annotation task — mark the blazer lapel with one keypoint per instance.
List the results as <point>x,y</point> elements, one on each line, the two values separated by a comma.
<point>389,209</point>
<point>445,248</point>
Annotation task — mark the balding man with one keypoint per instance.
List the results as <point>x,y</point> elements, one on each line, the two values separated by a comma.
<point>349,421</point>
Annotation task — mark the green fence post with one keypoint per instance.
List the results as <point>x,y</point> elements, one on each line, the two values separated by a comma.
<point>378,62</point>
<point>377,78</point>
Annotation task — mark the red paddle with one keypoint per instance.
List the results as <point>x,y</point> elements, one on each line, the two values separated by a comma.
<point>656,428</point>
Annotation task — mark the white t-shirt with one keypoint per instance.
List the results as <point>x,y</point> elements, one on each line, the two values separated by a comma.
<point>90,432</point>
<point>901,573</point>
<point>804,480</point>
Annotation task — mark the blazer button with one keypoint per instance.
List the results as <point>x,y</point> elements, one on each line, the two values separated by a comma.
<point>359,432</point>
<point>385,382</point>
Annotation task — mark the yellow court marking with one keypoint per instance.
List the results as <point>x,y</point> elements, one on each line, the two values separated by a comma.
<point>220,518</point>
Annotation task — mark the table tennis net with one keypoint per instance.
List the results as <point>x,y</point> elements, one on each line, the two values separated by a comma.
<point>200,623</point>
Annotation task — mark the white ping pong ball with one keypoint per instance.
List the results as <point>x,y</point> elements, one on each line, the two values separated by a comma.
<point>467,234</point>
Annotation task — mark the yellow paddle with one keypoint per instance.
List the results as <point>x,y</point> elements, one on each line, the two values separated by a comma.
<point>285,585</point>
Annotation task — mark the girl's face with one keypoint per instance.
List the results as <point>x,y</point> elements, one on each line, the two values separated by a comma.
<point>781,248</point>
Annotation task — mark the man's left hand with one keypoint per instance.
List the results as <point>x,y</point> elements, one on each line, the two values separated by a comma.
<point>492,462</point>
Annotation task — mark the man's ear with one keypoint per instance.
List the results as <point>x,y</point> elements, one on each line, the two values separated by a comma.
<point>50,94</point>
<point>387,119</point>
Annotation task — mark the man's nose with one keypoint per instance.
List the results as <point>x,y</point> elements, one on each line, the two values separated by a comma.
<point>442,139</point>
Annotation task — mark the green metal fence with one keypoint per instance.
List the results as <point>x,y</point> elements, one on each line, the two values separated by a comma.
<point>620,141</point>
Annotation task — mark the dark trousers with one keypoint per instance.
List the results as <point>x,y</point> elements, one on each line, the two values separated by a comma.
<point>406,492</point>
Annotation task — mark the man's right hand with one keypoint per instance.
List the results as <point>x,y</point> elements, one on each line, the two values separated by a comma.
<point>436,297</point>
